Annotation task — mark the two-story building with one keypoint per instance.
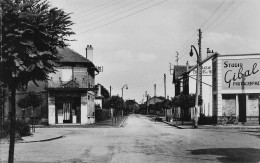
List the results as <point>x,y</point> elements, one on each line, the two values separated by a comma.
<point>68,96</point>
<point>70,89</point>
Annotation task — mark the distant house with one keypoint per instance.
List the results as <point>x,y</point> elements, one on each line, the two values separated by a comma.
<point>68,95</point>
<point>151,102</point>
<point>154,100</point>
<point>132,106</point>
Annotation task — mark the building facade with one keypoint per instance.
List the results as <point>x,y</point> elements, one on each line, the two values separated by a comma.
<point>184,79</point>
<point>236,86</point>
<point>69,93</point>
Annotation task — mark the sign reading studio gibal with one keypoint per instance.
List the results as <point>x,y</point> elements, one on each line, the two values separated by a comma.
<point>241,74</point>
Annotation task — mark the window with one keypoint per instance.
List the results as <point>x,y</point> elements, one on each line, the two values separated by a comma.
<point>66,74</point>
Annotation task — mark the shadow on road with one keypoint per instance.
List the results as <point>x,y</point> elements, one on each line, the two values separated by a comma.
<point>231,154</point>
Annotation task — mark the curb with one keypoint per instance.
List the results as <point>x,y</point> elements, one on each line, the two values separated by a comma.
<point>50,139</point>
<point>216,127</point>
<point>173,125</point>
<point>120,125</point>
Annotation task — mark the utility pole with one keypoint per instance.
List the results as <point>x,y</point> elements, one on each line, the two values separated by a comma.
<point>110,92</point>
<point>146,102</point>
<point>200,70</point>
<point>198,79</point>
<point>165,86</point>
<point>177,58</point>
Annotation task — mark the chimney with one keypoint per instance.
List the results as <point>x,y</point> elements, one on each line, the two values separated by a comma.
<point>187,66</point>
<point>89,53</point>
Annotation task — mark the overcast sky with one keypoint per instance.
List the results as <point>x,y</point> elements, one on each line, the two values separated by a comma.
<point>135,40</point>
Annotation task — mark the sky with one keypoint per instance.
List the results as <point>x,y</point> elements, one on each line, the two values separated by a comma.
<point>136,41</point>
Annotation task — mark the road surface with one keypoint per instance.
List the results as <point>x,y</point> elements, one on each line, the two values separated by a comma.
<point>141,140</point>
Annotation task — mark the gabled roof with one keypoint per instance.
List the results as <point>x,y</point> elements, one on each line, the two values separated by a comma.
<point>157,97</point>
<point>67,55</point>
<point>178,70</point>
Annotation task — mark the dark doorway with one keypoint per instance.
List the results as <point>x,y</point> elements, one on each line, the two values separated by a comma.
<point>242,107</point>
<point>67,109</point>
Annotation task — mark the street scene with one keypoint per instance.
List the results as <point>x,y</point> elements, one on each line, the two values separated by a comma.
<point>111,81</point>
<point>141,139</point>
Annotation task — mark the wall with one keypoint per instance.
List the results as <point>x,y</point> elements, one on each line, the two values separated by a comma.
<point>65,74</point>
<point>206,86</point>
<point>234,75</point>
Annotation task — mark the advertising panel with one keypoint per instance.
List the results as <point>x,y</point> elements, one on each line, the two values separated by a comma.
<point>239,74</point>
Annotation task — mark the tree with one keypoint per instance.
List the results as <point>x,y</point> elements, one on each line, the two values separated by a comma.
<point>31,100</point>
<point>116,103</point>
<point>131,106</point>
<point>3,95</point>
<point>31,35</point>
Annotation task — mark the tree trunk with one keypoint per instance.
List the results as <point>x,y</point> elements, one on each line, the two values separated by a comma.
<point>13,124</point>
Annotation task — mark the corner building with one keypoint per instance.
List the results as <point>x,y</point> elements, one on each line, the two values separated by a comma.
<point>236,87</point>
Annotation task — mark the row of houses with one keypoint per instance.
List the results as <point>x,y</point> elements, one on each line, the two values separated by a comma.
<point>69,94</point>
<point>230,85</point>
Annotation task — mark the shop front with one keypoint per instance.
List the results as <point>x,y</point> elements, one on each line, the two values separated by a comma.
<point>236,87</point>
<point>70,106</point>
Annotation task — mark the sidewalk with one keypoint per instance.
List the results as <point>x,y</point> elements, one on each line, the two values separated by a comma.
<point>188,125</point>
<point>52,132</point>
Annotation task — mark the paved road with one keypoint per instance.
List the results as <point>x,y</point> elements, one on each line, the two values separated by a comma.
<point>142,140</point>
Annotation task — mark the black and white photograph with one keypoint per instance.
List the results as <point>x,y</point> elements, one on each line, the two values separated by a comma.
<point>129,81</point>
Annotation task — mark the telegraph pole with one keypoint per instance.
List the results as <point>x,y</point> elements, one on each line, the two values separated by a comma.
<point>177,58</point>
<point>165,86</point>
<point>200,70</point>
<point>110,92</point>
<point>198,79</point>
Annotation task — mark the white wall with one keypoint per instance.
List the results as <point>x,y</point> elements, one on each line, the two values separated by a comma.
<point>206,86</point>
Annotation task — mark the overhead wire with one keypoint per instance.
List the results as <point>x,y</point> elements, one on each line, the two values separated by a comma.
<point>203,24</point>
<point>116,20</point>
<point>103,4</point>
<point>119,13</point>
<point>106,13</point>
<point>219,16</point>
<point>213,13</point>
<point>229,14</point>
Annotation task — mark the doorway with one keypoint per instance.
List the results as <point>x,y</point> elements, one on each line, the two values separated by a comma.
<point>67,112</point>
<point>242,107</point>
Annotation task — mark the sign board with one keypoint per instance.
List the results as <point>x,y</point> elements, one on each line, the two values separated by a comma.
<point>206,69</point>
<point>240,74</point>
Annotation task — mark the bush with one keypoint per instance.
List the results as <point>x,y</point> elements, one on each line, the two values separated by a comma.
<point>101,114</point>
<point>21,129</point>
<point>43,121</point>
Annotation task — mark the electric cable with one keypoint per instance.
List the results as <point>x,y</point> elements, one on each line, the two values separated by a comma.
<point>106,13</point>
<point>116,20</point>
<point>118,13</point>
<point>103,4</point>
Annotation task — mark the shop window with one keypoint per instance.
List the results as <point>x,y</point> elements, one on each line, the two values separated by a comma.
<point>253,105</point>
<point>228,104</point>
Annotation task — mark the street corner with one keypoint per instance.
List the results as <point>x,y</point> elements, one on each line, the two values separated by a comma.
<point>42,135</point>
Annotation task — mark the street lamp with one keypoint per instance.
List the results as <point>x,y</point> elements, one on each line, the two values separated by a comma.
<point>123,89</point>
<point>197,86</point>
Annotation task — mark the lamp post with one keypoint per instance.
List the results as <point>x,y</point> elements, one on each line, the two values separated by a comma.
<point>123,89</point>
<point>147,95</point>
<point>197,85</point>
